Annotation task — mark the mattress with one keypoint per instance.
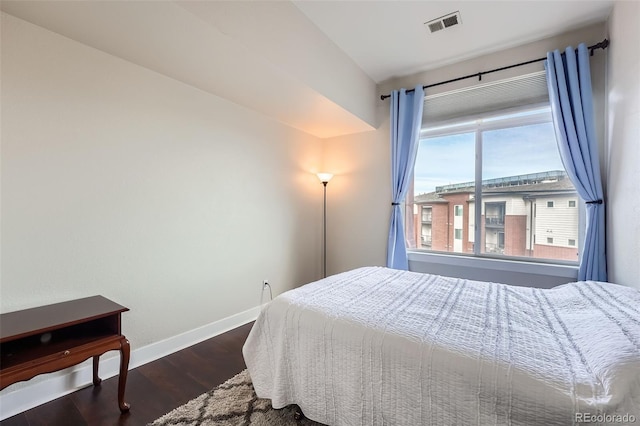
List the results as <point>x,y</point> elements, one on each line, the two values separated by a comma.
<point>376,346</point>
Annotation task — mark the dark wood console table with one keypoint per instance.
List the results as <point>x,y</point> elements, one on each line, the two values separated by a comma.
<point>50,338</point>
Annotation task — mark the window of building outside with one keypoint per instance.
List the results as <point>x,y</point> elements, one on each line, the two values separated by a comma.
<point>498,180</point>
<point>425,237</point>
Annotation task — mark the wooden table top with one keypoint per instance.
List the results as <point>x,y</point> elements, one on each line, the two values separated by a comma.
<point>33,321</point>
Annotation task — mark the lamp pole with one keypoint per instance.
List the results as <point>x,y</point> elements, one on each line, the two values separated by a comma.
<point>324,178</point>
<point>324,231</point>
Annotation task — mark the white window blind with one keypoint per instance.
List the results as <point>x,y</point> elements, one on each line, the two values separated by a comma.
<point>485,98</point>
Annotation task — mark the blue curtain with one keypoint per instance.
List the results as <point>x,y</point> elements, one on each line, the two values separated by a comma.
<point>571,98</point>
<point>406,120</point>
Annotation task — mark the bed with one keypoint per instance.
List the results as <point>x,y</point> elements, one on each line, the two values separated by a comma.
<point>376,346</point>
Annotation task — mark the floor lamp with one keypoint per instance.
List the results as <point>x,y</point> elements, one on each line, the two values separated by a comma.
<point>324,178</point>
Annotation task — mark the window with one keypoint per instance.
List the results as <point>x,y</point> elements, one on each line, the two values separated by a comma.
<point>572,242</point>
<point>458,223</point>
<point>492,171</point>
<point>425,227</point>
<point>426,214</point>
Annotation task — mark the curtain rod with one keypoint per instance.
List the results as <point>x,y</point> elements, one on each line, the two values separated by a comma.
<point>602,45</point>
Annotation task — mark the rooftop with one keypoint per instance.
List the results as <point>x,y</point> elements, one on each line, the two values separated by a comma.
<point>518,180</point>
<point>532,184</point>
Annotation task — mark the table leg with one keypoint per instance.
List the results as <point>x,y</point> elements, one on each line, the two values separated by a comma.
<point>96,380</point>
<point>124,368</point>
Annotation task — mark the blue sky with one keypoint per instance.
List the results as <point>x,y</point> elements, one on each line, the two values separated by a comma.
<point>506,152</point>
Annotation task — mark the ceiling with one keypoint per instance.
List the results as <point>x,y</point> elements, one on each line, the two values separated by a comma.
<point>312,65</point>
<point>388,39</point>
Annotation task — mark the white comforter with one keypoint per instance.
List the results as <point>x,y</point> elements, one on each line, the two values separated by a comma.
<point>378,346</point>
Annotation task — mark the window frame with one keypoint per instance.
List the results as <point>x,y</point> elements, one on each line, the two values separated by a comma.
<point>512,117</point>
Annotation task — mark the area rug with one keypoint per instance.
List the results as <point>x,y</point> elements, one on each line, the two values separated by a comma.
<point>233,403</point>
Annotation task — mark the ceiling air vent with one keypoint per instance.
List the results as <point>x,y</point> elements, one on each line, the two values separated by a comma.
<point>443,22</point>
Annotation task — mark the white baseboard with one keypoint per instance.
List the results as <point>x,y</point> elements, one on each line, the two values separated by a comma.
<point>80,376</point>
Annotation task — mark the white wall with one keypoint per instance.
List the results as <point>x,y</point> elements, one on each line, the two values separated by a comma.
<point>359,221</point>
<point>122,182</point>
<point>266,28</point>
<point>358,199</point>
<point>623,145</point>
<point>240,51</point>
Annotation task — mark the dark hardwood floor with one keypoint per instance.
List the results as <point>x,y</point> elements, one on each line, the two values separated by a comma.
<point>152,389</point>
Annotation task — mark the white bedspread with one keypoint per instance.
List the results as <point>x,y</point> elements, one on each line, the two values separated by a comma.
<point>378,346</point>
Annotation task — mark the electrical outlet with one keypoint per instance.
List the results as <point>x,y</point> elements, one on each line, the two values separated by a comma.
<point>265,286</point>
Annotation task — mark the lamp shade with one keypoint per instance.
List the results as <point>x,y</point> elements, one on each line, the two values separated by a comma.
<point>324,177</point>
